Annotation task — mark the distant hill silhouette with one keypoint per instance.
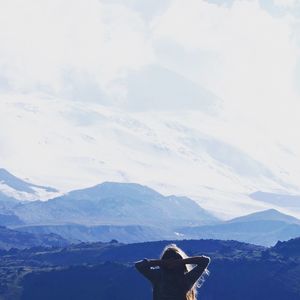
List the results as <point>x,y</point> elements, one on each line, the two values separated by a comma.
<point>267,215</point>
<point>10,219</point>
<point>124,233</point>
<point>14,239</point>
<point>262,228</point>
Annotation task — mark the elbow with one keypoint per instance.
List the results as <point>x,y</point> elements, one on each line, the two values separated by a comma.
<point>139,265</point>
<point>207,260</point>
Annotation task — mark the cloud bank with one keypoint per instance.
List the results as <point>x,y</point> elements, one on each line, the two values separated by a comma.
<point>87,50</point>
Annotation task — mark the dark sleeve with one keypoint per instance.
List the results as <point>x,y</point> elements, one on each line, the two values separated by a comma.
<point>150,273</point>
<point>193,275</point>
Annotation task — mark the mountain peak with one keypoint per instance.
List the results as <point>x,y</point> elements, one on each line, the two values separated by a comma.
<point>136,187</point>
<point>117,189</point>
<point>5,175</point>
<point>267,215</point>
<point>121,203</point>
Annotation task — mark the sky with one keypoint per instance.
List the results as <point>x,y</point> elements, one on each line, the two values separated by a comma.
<point>237,61</point>
<point>247,52</point>
<point>244,51</point>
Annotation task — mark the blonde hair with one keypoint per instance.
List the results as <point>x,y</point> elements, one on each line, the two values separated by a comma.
<point>173,250</point>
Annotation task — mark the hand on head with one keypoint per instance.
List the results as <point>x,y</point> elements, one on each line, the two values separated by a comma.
<point>173,263</point>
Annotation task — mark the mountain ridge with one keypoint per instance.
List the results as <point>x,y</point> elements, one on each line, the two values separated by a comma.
<point>115,203</point>
<point>91,143</point>
<point>12,187</point>
<point>261,228</point>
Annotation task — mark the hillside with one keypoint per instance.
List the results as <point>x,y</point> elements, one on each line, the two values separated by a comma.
<point>170,151</point>
<point>76,233</point>
<point>266,215</point>
<point>261,228</point>
<point>15,239</point>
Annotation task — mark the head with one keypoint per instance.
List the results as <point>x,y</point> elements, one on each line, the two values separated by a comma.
<point>173,252</point>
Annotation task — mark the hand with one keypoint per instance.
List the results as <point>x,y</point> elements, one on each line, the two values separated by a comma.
<point>172,263</point>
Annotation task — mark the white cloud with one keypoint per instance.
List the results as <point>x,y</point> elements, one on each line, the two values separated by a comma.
<point>248,56</point>
<point>43,40</point>
<point>240,52</point>
<point>286,3</point>
<point>244,54</point>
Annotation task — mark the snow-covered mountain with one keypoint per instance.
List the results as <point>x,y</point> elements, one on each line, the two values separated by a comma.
<point>70,144</point>
<point>115,204</point>
<point>13,188</point>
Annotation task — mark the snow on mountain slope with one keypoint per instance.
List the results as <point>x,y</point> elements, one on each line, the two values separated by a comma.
<point>70,144</point>
<point>13,187</point>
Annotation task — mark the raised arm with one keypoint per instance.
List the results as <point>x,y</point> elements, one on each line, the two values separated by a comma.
<point>201,263</point>
<point>194,260</point>
<point>145,268</point>
<point>198,260</point>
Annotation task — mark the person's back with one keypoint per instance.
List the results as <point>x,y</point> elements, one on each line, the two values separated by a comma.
<point>170,277</point>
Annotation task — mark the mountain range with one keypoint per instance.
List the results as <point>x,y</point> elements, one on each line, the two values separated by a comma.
<point>130,212</point>
<point>195,151</point>
<point>116,204</point>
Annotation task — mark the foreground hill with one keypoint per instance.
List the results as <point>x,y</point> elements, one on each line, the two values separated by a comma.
<point>105,271</point>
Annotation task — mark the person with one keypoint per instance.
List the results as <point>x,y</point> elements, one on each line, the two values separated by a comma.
<point>172,276</point>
